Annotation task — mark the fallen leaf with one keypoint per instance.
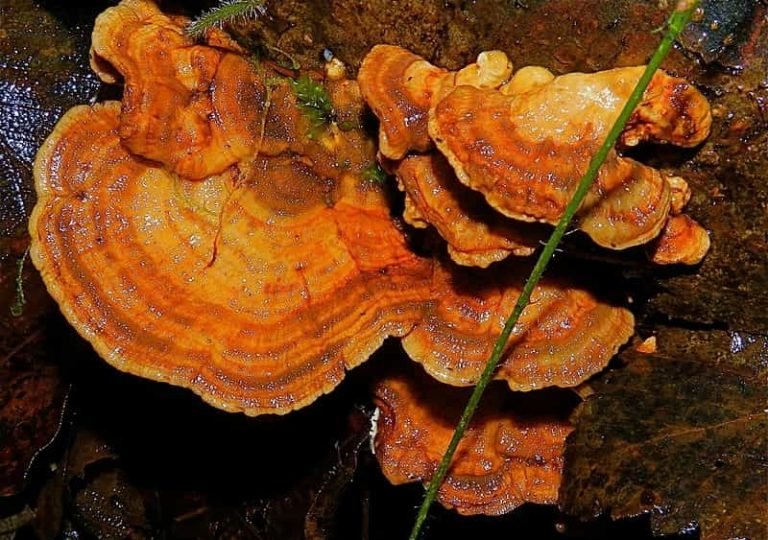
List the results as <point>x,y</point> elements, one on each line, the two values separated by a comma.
<point>44,70</point>
<point>680,439</point>
<point>90,494</point>
<point>9,525</point>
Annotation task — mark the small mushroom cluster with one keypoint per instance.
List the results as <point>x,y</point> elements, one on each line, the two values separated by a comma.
<point>485,155</point>
<point>200,232</point>
<point>482,151</point>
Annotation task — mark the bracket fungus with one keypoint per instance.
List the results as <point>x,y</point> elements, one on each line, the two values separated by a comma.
<point>402,87</point>
<point>682,241</point>
<point>256,286</point>
<point>128,252</point>
<point>196,234</point>
<point>476,236</point>
<point>208,232</point>
<point>511,454</point>
<point>564,336</point>
<point>196,108</point>
<point>523,140</point>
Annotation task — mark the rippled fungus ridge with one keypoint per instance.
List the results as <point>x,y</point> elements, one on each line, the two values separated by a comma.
<point>206,273</point>
<point>522,141</point>
<point>511,454</point>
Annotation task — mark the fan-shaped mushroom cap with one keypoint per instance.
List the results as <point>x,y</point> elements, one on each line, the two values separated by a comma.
<point>400,87</point>
<point>475,233</point>
<point>526,152</point>
<point>672,111</point>
<point>511,454</point>
<point>563,337</point>
<point>683,241</point>
<point>195,108</point>
<point>257,288</point>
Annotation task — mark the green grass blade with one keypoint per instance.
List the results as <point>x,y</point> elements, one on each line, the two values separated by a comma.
<point>17,309</point>
<point>680,17</point>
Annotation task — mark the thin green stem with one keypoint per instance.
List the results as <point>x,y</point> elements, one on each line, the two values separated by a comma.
<point>17,309</point>
<point>675,25</point>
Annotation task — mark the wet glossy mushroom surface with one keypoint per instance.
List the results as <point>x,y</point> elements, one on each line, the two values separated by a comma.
<point>682,241</point>
<point>523,140</point>
<point>564,336</point>
<point>474,233</point>
<point>525,152</point>
<point>197,453</point>
<point>196,108</point>
<point>219,285</point>
<point>257,287</point>
<point>401,88</point>
<point>511,454</point>
<point>258,277</point>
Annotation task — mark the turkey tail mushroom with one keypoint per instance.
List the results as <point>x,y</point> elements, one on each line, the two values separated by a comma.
<point>564,336</point>
<point>195,234</point>
<point>523,141</point>
<point>475,234</point>
<point>526,151</point>
<point>683,241</point>
<point>401,87</point>
<point>194,108</point>
<point>511,454</point>
<point>256,287</point>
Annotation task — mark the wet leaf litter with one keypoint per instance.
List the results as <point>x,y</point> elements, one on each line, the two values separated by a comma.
<point>682,439</point>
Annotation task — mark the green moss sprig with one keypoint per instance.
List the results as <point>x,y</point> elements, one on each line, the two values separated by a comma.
<point>226,11</point>
<point>315,103</point>
<point>374,175</point>
<point>17,309</point>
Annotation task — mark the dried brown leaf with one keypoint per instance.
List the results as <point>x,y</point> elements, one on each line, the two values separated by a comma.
<point>680,439</point>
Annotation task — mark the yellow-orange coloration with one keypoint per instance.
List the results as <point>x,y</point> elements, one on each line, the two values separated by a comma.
<point>524,140</point>
<point>476,235</point>
<point>257,289</point>
<point>195,108</point>
<point>526,152</point>
<point>647,346</point>
<point>564,336</point>
<point>401,87</point>
<point>511,454</point>
<point>682,241</point>
<point>681,194</point>
<point>527,79</point>
<point>255,281</point>
<point>195,235</point>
